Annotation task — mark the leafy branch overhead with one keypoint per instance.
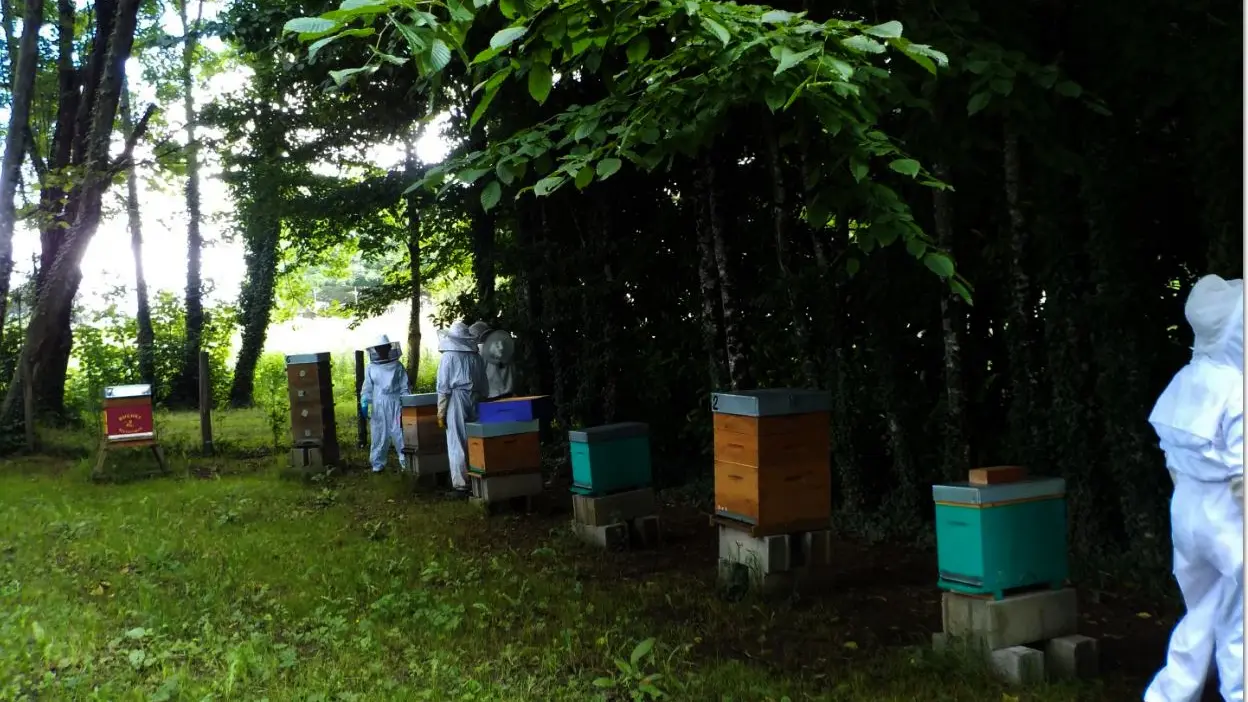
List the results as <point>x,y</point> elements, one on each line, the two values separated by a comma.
<point>667,75</point>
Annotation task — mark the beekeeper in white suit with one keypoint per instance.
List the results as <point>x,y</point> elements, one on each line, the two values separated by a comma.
<point>496,348</point>
<point>384,381</point>
<point>1200,422</point>
<point>461,385</point>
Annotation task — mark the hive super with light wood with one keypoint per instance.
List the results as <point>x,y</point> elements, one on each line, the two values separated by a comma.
<point>772,469</point>
<point>313,430</point>
<point>424,442</point>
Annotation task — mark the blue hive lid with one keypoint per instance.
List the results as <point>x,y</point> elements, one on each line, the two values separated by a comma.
<point>1030,489</point>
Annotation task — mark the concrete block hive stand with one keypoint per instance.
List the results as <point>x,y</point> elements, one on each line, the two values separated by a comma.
<point>613,503</point>
<point>1001,548</point>
<point>773,488</point>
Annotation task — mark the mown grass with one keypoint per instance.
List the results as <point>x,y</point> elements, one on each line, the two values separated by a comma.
<point>244,586</point>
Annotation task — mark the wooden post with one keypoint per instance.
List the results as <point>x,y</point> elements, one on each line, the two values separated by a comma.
<point>28,405</point>
<point>361,423</point>
<point>205,403</point>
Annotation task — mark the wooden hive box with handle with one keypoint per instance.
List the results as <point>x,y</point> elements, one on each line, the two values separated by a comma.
<point>514,409</point>
<point>312,423</point>
<point>772,467</point>
<point>503,448</point>
<point>419,419</point>
<point>610,458</point>
<point>128,414</point>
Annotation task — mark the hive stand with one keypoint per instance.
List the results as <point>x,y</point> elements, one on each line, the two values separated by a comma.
<point>1026,638</point>
<point>772,564</point>
<point>617,522</point>
<point>495,493</point>
<point>128,424</point>
<point>106,446</point>
<point>504,462</point>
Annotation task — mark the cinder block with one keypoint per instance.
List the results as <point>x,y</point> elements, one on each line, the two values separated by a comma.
<point>1013,621</point>
<point>940,641</point>
<point>306,458</point>
<point>817,549</point>
<point>499,488</point>
<point>610,536</point>
<point>765,554</point>
<point>1072,657</point>
<point>1019,665</point>
<point>428,464</point>
<point>644,531</point>
<point>612,509</point>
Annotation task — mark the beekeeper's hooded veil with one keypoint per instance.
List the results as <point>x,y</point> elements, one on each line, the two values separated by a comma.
<point>384,383</point>
<point>461,385</point>
<point>1199,420</point>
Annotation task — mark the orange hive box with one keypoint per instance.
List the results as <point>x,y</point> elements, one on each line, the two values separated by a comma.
<point>997,475</point>
<point>772,469</point>
<point>504,447</point>
<point>419,419</point>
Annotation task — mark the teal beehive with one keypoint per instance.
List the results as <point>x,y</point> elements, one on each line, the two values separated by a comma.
<point>610,458</point>
<point>991,539</point>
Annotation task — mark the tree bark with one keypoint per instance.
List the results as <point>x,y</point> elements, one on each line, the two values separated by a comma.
<point>262,234</point>
<point>734,341</point>
<point>15,141</point>
<point>708,281</point>
<point>1019,317</point>
<point>187,390</point>
<point>56,295</point>
<point>146,335</point>
<point>413,261</point>
<point>957,453</point>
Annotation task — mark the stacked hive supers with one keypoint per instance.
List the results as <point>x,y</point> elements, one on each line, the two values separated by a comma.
<point>424,442</point>
<point>313,430</point>
<point>504,450</point>
<point>1002,561</point>
<point>772,470</point>
<point>612,499</point>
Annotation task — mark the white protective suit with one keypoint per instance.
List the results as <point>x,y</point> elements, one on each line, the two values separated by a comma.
<point>1200,422</point>
<point>498,374</point>
<point>383,384</point>
<point>461,385</point>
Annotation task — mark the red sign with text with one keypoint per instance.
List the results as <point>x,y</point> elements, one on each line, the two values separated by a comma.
<point>124,421</point>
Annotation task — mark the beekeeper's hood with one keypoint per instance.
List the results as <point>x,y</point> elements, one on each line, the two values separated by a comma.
<point>1215,309</point>
<point>458,338</point>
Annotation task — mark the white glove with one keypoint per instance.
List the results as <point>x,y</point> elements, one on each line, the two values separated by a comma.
<point>1237,488</point>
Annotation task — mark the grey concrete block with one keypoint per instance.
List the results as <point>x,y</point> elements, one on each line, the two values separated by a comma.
<point>1072,657</point>
<point>1013,621</point>
<point>428,464</point>
<point>817,548</point>
<point>306,458</point>
<point>1019,665</point>
<point>644,531</point>
<point>764,554</point>
<point>610,536</point>
<point>940,641</point>
<point>500,488</point>
<point>611,509</point>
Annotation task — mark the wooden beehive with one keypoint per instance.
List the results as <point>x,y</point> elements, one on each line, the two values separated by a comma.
<point>419,419</point>
<point>772,468</point>
<point>610,458</point>
<point>312,423</point>
<point>504,447</point>
<point>128,413</point>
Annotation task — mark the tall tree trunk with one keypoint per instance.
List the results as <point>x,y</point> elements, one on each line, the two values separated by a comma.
<point>56,296</point>
<point>708,282</point>
<point>413,260</point>
<point>187,392</point>
<point>734,341</point>
<point>146,336</point>
<point>957,454</point>
<point>1019,318</point>
<point>23,84</point>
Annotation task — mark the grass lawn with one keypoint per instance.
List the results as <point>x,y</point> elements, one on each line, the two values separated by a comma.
<point>226,582</point>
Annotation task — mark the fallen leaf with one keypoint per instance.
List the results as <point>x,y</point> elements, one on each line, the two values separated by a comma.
<point>851,645</point>
<point>1144,615</point>
<point>98,591</point>
<point>1007,697</point>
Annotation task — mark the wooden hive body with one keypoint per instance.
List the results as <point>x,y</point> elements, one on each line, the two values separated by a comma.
<point>419,419</point>
<point>504,447</point>
<point>310,387</point>
<point>128,413</point>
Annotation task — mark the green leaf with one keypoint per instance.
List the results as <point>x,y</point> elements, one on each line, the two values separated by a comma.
<point>905,166</point>
<point>775,97</point>
<point>607,167</point>
<point>309,25</point>
<point>916,247</point>
<point>540,78</point>
<point>505,173</point>
<point>939,263</point>
<point>1068,89</point>
<point>638,48</point>
<point>320,44</point>
<point>692,7</point>
<point>471,175</point>
<point>584,177</point>
<point>508,8</point>
<point>481,3</point>
<point>504,37</point>
<point>1002,86</point>
<point>350,5</point>
<point>979,68</point>
<point>341,77</point>
<point>851,267</point>
<point>978,102</point>
<point>439,55</point>
<point>395,60</point>
<point>485,55</point>
<point>717,29</point>
<point>960,290</point>
<point>640,651</point>
<point>789,58</point>
<point>866,45</point>
<point>459,13</point>
<point>604,682</point>
<point>490,195</point>
<point>548,185</point>
<point>858,169</point>
<point>888,30</point>
<point>777,17</point>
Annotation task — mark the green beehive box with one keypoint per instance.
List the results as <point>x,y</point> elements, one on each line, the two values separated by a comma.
<point>991,539</point>
<point>610,458</point>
